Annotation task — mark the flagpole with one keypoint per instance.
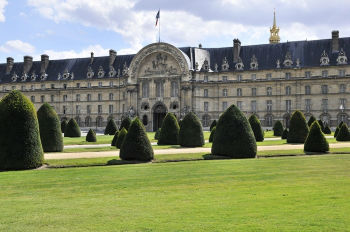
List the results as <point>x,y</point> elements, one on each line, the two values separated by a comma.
<point>159,28</point>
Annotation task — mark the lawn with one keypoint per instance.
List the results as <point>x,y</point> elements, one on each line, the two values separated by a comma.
<point>308,193</point>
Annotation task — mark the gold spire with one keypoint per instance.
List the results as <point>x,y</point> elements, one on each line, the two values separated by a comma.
<point>274,37</point>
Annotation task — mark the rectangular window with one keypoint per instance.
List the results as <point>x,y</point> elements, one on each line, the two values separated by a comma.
<point>88,109</point>
<point>224,92</point>
<point>174,89</point>
<point>307,90</point>
<point>88,97</point>
<point>110,109</point>
<point>23,88</point>
<point>269,105</point>
<point>78,85</point>
<point>64,109</point>
<point>253,106</point>
<point>205,78</point>
<point>52,86</point>
<point>99,109</point>
<point>342,72</point>
<point>32,98</point>
<point>32,87</point>
<point>253,92</point>
<point>111,96</point>
<point>342,103</point>
<point>325,105</point>
<point>253,77</point>
<point>13,87</point>
<point>239,77</point>
<point>65,86</point>
<point>77,97</point>
<point>324,73</point>
<point>324,89</point>
<point>288,76</point>
<point>224,106</point>
<point>206,106</point>
<point>42,98</point>
<point>100,84</point>
<point>240,105</point>
<point>77,109</point>
<point>288,105</point>
<point>239,92</point>
<point>65,97</point>
<point>52,98</point>
<point>307,74</point>
<point>99,97</point>
<point>89,85</point>
<point>145,89</point>
<point>43,86</point>
<point>308,105</point>
<point>342,88</point>
<point>159,89</point>
<point>224,78</point>
<point>268,76</point>
<point>111,84</point>
<point>269,91</point>
<point>205,92</point>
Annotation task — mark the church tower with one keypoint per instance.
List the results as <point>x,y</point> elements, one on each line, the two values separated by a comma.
<point>274,37</point>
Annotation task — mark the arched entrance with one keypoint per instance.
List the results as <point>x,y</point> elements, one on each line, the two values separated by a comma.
<point>159,112</point>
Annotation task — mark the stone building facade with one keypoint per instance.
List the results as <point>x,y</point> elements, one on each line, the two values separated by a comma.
<point>269,80</point>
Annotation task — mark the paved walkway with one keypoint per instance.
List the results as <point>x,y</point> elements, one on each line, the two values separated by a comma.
<point>61,155</point>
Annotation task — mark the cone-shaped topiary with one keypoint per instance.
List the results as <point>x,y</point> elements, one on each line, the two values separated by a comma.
<point>321,124</point>
<point>212,125</point>
<point>256,127</point>
<point>63,125</point>
<point>285,134</point>
<point>315,141</point>
<point>233,136</point>
<point>191,131</point>
<point>121,136</point>
<point>136,145</point>
<point>125,123</point>
<point>327,130</point>
<point>278,128</point>
<point>50,129</point>
<point>343,134</point>
<point>298,129</point>
<point>337,129</point>
<point>20,145</point>
<point>170,130</point>
<point>156,135</point>
<point>111,127</point>
<point>311,120</point>
<point>212,134</point>
<point>115,137</point>
<point>91,136</point>
<point>72,129</point>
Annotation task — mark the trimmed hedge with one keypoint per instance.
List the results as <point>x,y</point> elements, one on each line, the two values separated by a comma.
<point>111,127</point>
<point>298,129</point>
<point>191,131</point>
<point>212,134</point>
<point>233,136</point>
<point>72,129</point>
<point>278,128</point>
<point>136,145</point>
<point>212,125</point>
<point>20,144</point>
<point>321,124</point>
<point>256,127</point>
<point>115,137</point>
<point>156,135</point>
<point>285,134</point>
<point>315,141</point>
<point>63,125</point>
<point>343,134</point>
<point>125,123</point>
<point>311,120</point>
<point>91,136</point>
<point>327,130</point>
<point>121,136</point>
<point>50,129</point>
<point>170,130</point>
<point>337,130</point>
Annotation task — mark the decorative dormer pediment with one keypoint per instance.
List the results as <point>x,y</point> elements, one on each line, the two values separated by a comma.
<point>254,62</point>
<point>324,58</point>
<point>288,62</point>
<point>101,72</point>
<point>66,74</point>
<point>342,59</point>
<point>111,72</point>
<point>225,66</point>
<point>239,65</point>
<point>205,66</point>
<point>24,77</point>
<point>43,76</point>
<point>14,77</point>
<point>90,73</point>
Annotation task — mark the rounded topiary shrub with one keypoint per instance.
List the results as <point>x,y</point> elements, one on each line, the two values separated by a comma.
<point>115,137</point>
<point>111,127</point>
<point>156,135</point>
<point>298,129</point>
<point>315,141</point>
<point>285,134</point>
<point>136,145</point>
<point>320,122</point>
<point>256,127</point>
<point>121,136</point>
<point>311,120</point>
<point>170,130</point>
<point>20,144</point>
<point>63,125</point>
<point>278,128</point>
<point>125,123</point>
<point>91,136</point>
<point>212,125</point>
<point>327,130</point>
<point>50,129</point>
<point>212,134</point>
<point>233,136</point>
<point>337,129</point>
<point>191,131</point>
<point>72,129</point>
<point>343,134</point>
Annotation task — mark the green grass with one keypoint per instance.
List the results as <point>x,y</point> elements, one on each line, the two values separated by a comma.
<point>308,193</point>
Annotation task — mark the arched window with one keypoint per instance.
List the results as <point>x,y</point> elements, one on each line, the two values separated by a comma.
<point>87,121</point>
<point>268,120</point>
<point>205,120</point>
<point>288,90</point>
<point>99,121</point>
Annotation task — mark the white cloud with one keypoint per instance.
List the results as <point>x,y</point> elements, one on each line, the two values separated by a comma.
<point>13,46</point>
<point>3,3</point>
<point>97,49</point>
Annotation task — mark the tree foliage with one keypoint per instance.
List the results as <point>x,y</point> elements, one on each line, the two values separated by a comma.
<point>72,129</point>
<point>311,120</point>
<point>63,125</point>
<point>212,125</point>
<point>285,134</point>
<point>111,127</point>
<point>191,131</point>
<point>121,136</point>
<point>212,134</point>
<point>256,127</point>
<point>170,130</point>
<point>91,136</point>
<point>298,129</point>
<point>278,128</point>
<point>343,134</point>
<point>115,137</point>
<point>125,123</point>
<point>316,141</point>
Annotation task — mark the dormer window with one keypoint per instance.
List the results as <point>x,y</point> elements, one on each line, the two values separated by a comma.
<point>111,72</point>
<point>225,66</point>
<point>66,75</point>
<point>342,59</point>
<point>100,73</point>
<point>324,58</point>
<point>239,65</point>
<point>43,76</point>
<point>206,65</point>
<point>14,77</point>
<point>288,62</point>
<point>24,77</point>
<point>90,73</point>
<point>253,63</point>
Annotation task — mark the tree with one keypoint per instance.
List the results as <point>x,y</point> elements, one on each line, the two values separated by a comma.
<point>212,125</point>
<point>256,127</point>
<point>278,128</point>
<point>125,123</point>
<point>72,129</point>
<point>111,127</point>
<point>320,122</point>
<point>233,136</point>
<point>121,136</point>
<point>91,136</point>
<point>337,130</point>
<point>170,130</point>
<point>298,129</point>
<point>20,144</point>
<point>115,137</point>
<point>285,134</point>
<point>136,145</point>
<point>156,135</point>
<point>191,131</point>
<point>311,120</point>
<point>212,134</point>
<point>63,125</point>
<point>315,141</point>
<point>50,129</point>
<point>327,130</point>
<point>343,134</point>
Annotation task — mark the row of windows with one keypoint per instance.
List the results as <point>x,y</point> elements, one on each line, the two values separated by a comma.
<point>159,92</point>
<point>77,97</point>
<point>88,109</point>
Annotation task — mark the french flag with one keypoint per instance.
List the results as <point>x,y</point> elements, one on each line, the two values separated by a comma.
<point>157,17</point>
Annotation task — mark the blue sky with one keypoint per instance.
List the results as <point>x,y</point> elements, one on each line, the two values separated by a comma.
<point>74,28</point>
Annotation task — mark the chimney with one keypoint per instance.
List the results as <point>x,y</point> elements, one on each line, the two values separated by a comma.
<point>112,56</point>
<point>236,50</point>
<point>9,64</point>
<point>91,58</point>
<point>28,62</point>
<point>200,45</point>
<point>335,41</point>
<point>44,63</point>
